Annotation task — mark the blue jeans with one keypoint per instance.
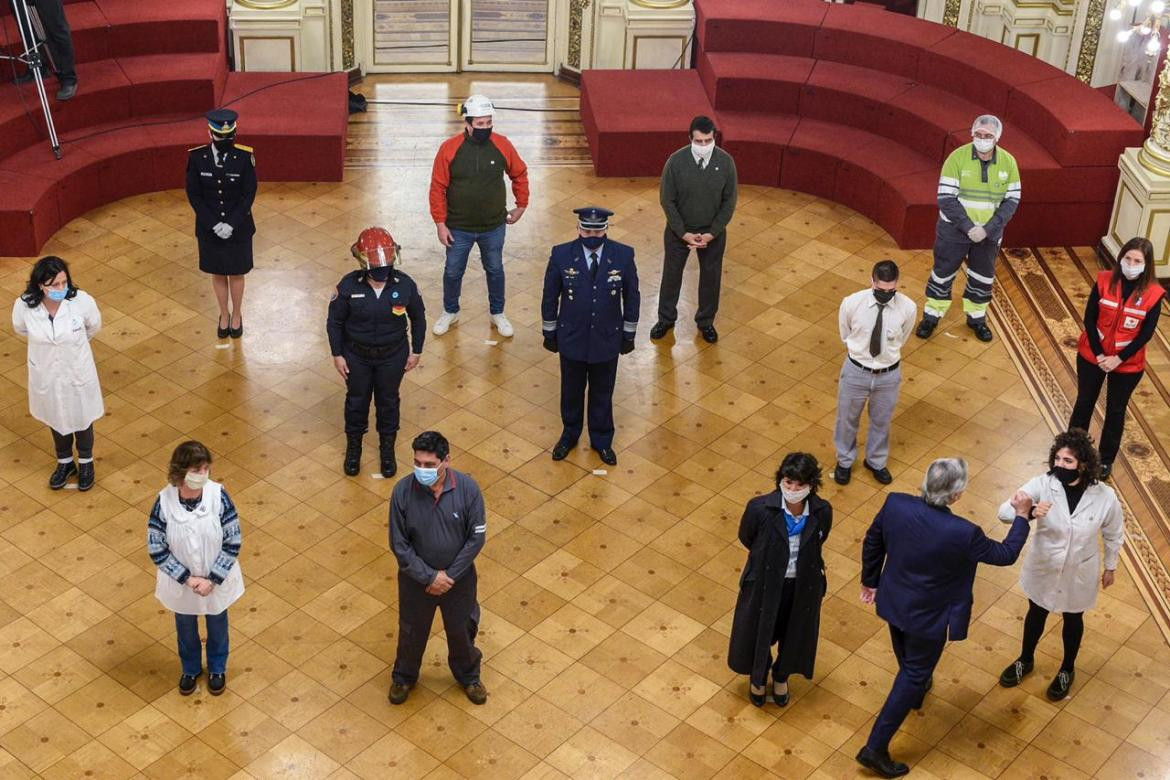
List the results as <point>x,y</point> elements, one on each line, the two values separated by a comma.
<point>491,254</point>
<point>191,651</point>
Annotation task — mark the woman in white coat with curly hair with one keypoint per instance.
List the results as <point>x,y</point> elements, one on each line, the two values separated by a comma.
<point>1062,565</point>
<point>59,320</point>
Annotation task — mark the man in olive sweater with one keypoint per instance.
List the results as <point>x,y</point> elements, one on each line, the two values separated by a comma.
<point>698,193</point>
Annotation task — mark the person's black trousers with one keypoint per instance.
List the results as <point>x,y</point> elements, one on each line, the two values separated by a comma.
<point>374,377</point>
<point>917,656</point>
<point>63,444</point>
<point>416,613</point>
<point>1090,378</point>
<point>787,596</point>
<point>576,375</point>
<point>675,255</point>
<point>59,38</point>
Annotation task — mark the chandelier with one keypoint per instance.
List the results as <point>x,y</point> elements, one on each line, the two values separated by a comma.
<point>1147,19</point>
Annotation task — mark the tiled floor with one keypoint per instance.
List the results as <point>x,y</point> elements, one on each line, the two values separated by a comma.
<point>606,599</point>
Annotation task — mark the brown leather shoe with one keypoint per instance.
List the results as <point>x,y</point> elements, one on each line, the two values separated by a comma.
<point>399,692</point>
<point>476,693</point>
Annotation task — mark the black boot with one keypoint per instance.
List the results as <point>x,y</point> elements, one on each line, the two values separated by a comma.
<point>386,450</point>
<point>61,475</point>
<point>353,454</point>
<point>85,476</point>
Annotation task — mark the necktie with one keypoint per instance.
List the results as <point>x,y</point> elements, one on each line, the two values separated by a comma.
<point>593,263</point>
<point>702,163</point>
<point>875,337</point>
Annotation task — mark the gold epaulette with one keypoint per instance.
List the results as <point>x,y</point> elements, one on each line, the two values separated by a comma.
<point>197,148</point>
<point>243,148</point>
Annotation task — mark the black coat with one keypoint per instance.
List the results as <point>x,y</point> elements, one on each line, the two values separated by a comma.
<point>763,531</point>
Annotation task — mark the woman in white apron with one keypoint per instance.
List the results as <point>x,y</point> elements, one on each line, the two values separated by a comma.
<point>194,538</point>
<point>1062,565</point>
<point>63,390</point>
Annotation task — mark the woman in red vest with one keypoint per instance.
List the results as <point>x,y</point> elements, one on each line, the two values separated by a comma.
<point>1120,317</point>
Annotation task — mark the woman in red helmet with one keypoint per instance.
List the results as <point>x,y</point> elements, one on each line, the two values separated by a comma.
<point>369,314</point>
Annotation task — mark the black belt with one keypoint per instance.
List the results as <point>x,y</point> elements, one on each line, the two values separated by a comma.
<point>371,351</point>
<point>869,370</point>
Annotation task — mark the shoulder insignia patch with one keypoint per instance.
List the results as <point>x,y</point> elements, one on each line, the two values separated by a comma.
<point>197,148</point>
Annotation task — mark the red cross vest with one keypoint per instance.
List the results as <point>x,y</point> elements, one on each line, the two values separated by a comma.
<point>1119,322</point>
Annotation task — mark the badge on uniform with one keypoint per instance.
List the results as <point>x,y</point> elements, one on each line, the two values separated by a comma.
<point>399,310</point>
<point>357,295</point>
<point>572,272</point>
<point>394,294</point>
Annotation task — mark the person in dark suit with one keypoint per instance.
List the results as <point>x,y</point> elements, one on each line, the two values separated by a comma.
<point>590,315</point>
<point>221,186</point>
<point>918,563</point>
<point>59,39</point>
<point>783,582</point>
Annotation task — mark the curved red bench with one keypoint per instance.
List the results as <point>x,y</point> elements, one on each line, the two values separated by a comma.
<point>861,106</point>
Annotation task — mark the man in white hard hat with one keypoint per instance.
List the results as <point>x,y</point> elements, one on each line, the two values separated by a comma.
<point>469,205</point>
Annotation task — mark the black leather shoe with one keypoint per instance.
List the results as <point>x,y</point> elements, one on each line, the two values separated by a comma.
<point>386,454</point>
<point>27,77</point>
<point>608,456</point>
<point>979,325</point>
<point>881,763</point>
<point>882,475</point>
<point>187,684</point>
<point>222,332</point>
<point>660,329</point>
<point>85,476</point>
<point>353,455</point>
<point>562,450</point>
<point>61,475</point>
<point>842,475</point>
<point>399,692</point>
<point>710,335</point>
<point>926,327</point>
<point>1106,471</point>
<point>216,684</point>
<point>67,91</point>
<point>1017,670</point>
<point>476,693</point>
<point>235,333</point>
<point>1061,684</point>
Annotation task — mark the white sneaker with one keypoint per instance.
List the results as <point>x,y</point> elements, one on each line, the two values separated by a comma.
<point>502,325</point>
<point>444,323</point>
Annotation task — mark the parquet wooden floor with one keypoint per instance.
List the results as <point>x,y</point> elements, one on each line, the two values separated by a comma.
<point>606,600</point>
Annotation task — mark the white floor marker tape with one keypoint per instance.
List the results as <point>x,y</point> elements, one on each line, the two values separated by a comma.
<point>377,475</point>
<point>600,472</point>
<point>223,346</point>
<point>491,343</point>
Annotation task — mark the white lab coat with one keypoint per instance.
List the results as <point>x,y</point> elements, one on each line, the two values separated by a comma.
<point>63,388</point>
<point>195,537</point>
<point>1062,565</point>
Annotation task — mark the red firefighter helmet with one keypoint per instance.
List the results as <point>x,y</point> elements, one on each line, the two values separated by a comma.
<point>375,248</point>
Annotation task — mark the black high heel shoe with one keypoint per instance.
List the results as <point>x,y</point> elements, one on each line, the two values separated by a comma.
<point>235,333</point>
<point>779,698</point>
<point>221,332</point>
<point>757,699</point>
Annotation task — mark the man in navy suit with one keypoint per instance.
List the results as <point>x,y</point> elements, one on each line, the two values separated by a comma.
<point>918,562</point>
<point>590,315</point>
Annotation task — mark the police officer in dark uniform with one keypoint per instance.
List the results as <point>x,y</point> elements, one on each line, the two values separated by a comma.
<point>590,315</point>
<point>221,186</point>
<point>367,326</point>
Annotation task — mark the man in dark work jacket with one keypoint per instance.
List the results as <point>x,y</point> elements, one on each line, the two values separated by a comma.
<point>437,527</point>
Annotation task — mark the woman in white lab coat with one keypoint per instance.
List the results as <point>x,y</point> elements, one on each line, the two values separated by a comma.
<point>1062,565</point>
<point>63,390</point>
<point>194,537</point>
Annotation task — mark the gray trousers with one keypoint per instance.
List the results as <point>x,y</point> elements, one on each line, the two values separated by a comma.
<point>675,255</point>
<point>855,387</point>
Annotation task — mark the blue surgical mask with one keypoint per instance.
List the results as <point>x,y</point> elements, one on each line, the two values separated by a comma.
<point>593,242</point>
<point>426,477</point>
<point>57,295</point>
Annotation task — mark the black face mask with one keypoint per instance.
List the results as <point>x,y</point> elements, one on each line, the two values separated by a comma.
<point>884,296</point>
<point>592,242</point>
<point>481,134</point>
<point>224,144</point>
<point>1066,476</point>
<point>381,273</point>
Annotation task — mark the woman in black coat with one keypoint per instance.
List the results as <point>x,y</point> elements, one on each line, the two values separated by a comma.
<point>783,582</point>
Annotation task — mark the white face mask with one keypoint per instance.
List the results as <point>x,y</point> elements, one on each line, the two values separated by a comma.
<point>1132,272</point>
<point>984,145</point>
<point>195,480</point>
<point>795,496</point>
<point>702,151</point>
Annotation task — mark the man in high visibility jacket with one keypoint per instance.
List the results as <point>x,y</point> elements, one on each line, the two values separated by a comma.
<point>978,193</point>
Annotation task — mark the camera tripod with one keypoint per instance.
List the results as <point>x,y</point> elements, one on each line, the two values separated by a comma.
<point>32,57</point>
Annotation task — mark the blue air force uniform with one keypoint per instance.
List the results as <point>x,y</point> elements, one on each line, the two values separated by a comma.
<point>590,315</point>
<point>370,330</point>
<point>221,187</point>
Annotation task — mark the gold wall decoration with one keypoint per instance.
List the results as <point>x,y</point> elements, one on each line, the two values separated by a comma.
<point>576,17</point>
<point>1157,146</point>
<point>951,13</point>
<point>1091,37</point>
<point>347,58</point>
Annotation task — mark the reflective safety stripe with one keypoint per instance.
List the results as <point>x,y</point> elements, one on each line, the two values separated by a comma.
<point>548,325</point>
<point>630,327</point>
<point>979,278</point>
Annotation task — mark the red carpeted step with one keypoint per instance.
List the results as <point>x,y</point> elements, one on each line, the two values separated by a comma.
<point>848,94</point>
<point>155,27</point>
<point>174,83</point>
<point>769,26</point>
<point>1078,124</point>
<point>874,38</point>
<point>738,81</point>
<point>756,142</point>
<point>39,194</point>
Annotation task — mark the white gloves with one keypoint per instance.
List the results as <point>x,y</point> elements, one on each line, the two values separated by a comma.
<point>223,230</point>
<point>976,234</point>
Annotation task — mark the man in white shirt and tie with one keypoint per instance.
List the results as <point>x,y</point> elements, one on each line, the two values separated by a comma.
<point>875,323</point>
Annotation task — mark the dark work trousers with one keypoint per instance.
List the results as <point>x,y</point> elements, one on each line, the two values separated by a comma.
<point>787,596</point>
<point>377,377</point>
<point>951,247</point>
<point>576,375</point>
<point>58,37</point>
<point>1121,387</point>
<point>676,253</point>
<point>416,612</point>
<point>917,656</point>
<point>63,443</point>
